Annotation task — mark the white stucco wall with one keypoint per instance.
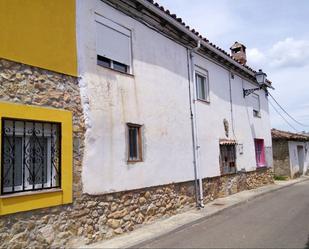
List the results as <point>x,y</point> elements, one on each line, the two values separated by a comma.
<point>155,96</point>
<point>294,160</point>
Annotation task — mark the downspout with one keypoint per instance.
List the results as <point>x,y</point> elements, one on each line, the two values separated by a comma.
<point>196,147</point>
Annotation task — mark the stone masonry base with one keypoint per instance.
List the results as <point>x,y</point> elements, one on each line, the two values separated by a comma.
<point>94,218</point>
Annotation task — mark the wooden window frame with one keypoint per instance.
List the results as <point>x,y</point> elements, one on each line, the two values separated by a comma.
<point>224,147</point>
<point>140,142</point>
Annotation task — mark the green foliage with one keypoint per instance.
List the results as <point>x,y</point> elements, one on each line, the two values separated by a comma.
<point>280,178</point>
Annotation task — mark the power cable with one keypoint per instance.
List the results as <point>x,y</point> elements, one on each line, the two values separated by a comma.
<point>283,117</point>
<point>299,123</point>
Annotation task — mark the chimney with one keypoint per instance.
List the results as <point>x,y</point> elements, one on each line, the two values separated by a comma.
<point>238,51</point>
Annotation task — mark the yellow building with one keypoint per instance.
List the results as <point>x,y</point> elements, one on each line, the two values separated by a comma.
<point>37,49</point>
<point>39,33</point>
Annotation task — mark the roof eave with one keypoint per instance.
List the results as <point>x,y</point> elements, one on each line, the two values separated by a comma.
<point>179,26</point>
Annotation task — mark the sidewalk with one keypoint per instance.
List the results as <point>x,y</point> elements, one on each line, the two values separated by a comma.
<point>180,221</point>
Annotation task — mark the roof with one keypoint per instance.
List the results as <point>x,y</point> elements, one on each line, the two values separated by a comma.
<point>224,141</point>
<point>179,20</point>
<point>285,135</point>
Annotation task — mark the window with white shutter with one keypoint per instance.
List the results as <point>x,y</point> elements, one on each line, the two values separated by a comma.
<point>113,45</point>
<point>255,103</point>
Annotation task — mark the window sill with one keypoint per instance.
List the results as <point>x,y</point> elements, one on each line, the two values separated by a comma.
<point>30,193</point>
<point>117,71</point>
<point>204,101</point>
<point>132,162</point>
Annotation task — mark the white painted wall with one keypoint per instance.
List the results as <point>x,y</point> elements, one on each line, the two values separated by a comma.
<point>294,161</point>
<point>157,97</point>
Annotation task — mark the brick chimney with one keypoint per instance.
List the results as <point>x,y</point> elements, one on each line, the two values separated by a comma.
<point>238,51</point>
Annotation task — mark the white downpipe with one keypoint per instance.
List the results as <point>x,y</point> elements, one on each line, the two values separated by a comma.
<point>195,128</point>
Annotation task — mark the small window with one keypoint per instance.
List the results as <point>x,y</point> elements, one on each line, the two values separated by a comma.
<point>113,45</point>
<point>202,87</point>
<point>134,143</point>
<point>260,152</point>
<point>255,101</point>
<point>228,158</point>
<point>31,156</point>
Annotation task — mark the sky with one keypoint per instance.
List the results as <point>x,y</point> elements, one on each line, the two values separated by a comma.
<point>276,34</point>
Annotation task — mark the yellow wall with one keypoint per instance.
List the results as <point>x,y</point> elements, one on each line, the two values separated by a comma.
<point>39,199</point>
<point>40,33</point>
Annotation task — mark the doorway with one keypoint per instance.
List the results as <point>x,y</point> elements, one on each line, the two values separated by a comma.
<point>300,154</point>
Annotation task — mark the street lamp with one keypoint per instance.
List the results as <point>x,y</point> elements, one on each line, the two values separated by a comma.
<point>261,80</point>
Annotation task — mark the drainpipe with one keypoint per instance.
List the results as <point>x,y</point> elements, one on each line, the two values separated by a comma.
<point>196,147</point>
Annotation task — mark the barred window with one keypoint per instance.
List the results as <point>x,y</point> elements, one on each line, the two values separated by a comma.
<point>134,143</point>
<point>228,158</point>
<point>30,155</point>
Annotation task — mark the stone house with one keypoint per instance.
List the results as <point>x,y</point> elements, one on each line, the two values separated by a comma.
<point>290,153</point>
<point>115,113</point>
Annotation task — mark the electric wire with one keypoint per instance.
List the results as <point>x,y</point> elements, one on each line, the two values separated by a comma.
<point>299,123</point>
<point>283,117</point>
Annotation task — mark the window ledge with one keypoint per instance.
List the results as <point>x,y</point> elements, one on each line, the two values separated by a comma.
<point>30,193</point>
<point>204,101</point>
<point>116,71</point>
<point>137,161</point>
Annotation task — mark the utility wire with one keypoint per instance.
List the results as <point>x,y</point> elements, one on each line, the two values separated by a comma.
<point>301,124</point>
<point>283,117</point>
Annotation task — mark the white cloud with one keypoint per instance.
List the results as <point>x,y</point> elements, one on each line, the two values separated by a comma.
<point>290,53</point>
<point>282,54</point>
<point>255,57</point>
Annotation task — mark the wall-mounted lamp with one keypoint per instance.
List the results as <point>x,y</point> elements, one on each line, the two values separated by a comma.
<point>261,80</point>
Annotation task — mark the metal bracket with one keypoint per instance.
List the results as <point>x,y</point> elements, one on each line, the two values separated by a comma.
<point>247,92</point>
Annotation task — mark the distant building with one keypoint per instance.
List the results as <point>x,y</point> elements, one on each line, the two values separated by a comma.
<point>290,153</point>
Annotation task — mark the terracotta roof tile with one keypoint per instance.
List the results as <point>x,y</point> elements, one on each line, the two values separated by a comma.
<point>174,16</point>
<point>285,135</point>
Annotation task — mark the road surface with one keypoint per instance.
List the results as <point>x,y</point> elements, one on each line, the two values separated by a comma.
<point>276,220</point>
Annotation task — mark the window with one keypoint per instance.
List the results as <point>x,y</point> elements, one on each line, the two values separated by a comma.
<point>260,152</point>
<point>113,45</point>
<point>202,87</point>
<point>255,102</point>
<point>30,153</point>
<point>134,143</point>
<point>227,157</point>
<point>36,157</point>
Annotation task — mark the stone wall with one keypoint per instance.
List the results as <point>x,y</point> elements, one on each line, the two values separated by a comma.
<point>281,158</point>
<point>92,218</point>
<point>218,187</point>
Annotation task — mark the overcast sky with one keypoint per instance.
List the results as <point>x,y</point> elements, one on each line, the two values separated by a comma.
<point>276,34</point>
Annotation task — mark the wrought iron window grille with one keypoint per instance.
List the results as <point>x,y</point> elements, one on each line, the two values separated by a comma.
<point>30,155</point>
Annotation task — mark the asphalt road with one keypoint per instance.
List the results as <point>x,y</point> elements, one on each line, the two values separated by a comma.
<point>276,220</point>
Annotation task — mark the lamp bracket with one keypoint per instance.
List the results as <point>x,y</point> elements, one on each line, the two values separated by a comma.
<point>247,92</point>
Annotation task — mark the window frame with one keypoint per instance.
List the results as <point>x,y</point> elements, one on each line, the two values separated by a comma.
<point>234,152</point>
<point>139,143</point>
<point>256,113</point>
<point>31,200</point>
<point>260,163</point>
<point>203,74</point>
<point>108,23</point>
